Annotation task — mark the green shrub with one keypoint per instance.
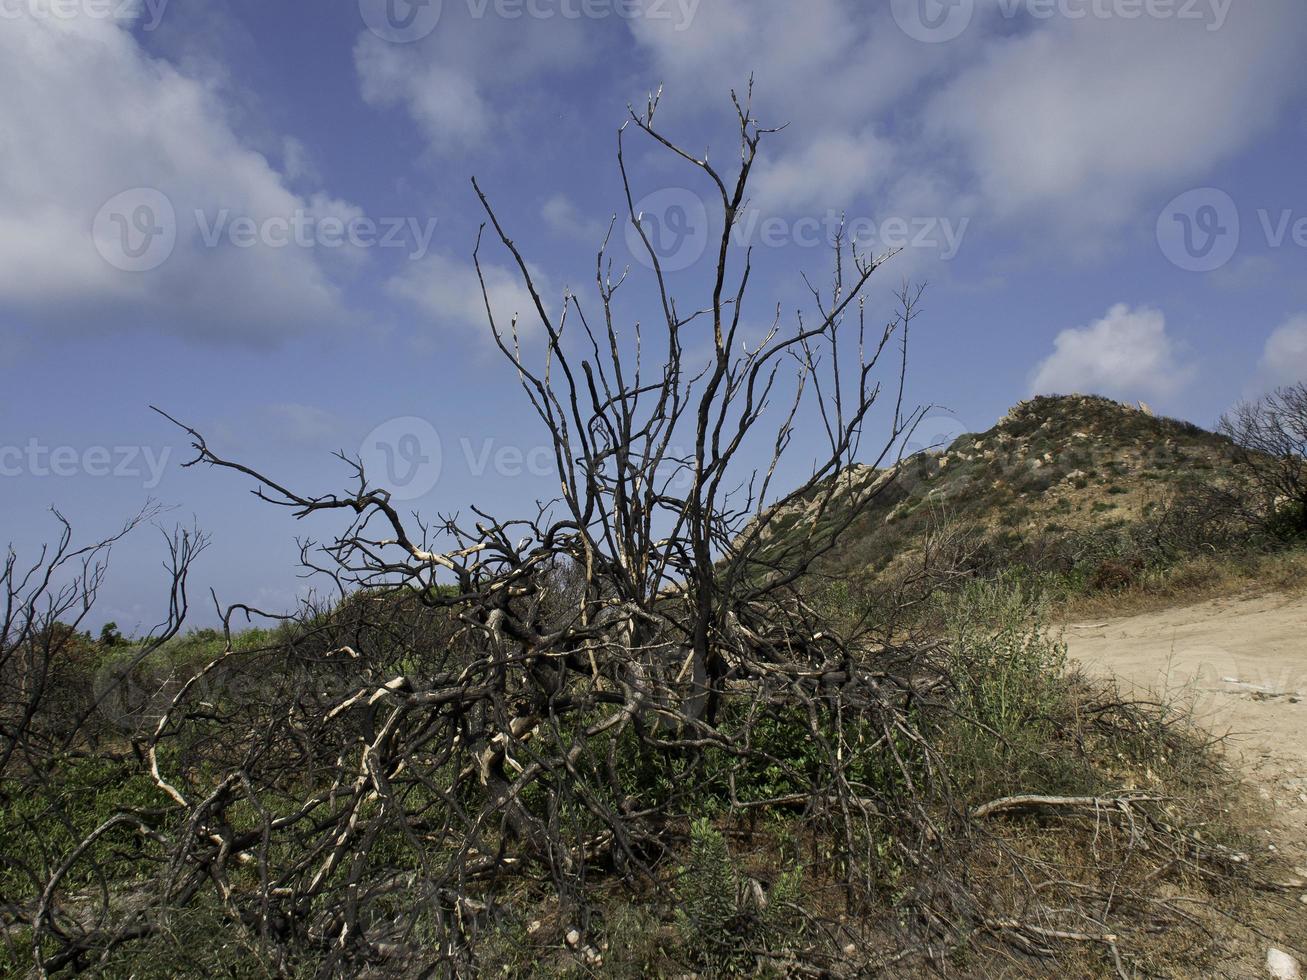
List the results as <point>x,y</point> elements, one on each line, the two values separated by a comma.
<point>708,910</point>
<point>1010,677</point>
<point>1286,523</point>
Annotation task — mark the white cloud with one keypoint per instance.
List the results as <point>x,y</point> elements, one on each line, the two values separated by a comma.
<point>296,160</point>
<point>1070,120</point>
<point>448,81</point>
<point>1128,354</point>
<point>444,102</point>
<point>828,64</point>
<point>831,71</point>
<point>447,290</point>
<point>99,117</point>
<point>563,217</point>
<point>1086,115</point>
<point>1284,359</point>
<point>830,171</point>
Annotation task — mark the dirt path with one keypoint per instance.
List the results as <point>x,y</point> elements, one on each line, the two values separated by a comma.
<point>1244,661</point>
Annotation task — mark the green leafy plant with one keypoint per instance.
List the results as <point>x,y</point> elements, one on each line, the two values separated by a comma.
<point>708,915</point>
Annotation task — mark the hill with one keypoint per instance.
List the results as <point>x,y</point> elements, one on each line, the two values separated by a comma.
<point>1061,484</point>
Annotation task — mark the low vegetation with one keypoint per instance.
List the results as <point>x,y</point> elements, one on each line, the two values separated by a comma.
<point>1027,784</point>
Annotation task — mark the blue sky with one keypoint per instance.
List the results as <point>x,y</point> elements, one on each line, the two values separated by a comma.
<point>258,216</point>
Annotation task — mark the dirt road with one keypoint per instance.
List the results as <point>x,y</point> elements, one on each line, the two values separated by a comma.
<point>1244,662</point>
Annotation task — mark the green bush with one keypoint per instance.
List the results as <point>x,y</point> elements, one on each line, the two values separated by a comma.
<point>708,913</point>
<point>717,914</point>
<point>1010,678</point>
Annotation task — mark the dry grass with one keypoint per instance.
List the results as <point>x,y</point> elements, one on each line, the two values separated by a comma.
<point>1192,581</point>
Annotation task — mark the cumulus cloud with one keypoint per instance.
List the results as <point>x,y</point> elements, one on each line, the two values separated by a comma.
<point>448,291</point>
<point>1127,353</point>
<point>828,172</point>
<point>1073,120</point>
<point>1087,114</point>
<point>563,217</point>
<point>445,102</point>
<point>100,117</point>
<point>831,71</point>
<point>456,82</point>
<point>831,64</point>
<point>1284,359</point>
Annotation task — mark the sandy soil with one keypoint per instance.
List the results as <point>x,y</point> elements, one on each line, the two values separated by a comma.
<point>1243,660</point>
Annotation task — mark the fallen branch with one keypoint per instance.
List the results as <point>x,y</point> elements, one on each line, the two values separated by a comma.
<point>1010,803</point>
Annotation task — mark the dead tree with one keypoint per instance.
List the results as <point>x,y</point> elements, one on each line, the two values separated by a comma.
<point>55,699</point>
<point>46,694</point>
<point>1270,439</point>
<point>598,668</point>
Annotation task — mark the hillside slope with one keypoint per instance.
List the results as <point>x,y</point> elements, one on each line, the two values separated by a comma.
<point>1050,475</point>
